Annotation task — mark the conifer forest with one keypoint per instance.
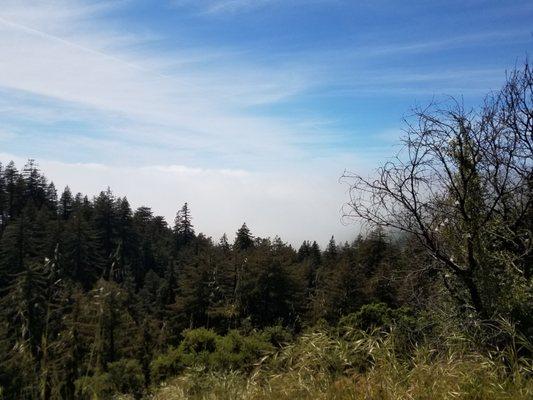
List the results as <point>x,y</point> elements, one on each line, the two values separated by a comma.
<point>433,299</point>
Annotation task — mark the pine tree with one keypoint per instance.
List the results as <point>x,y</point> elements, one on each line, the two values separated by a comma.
<point>82,258</point>
<point>304,251</point>
<point>71,346</point>
<point>51,199</point>
<point>35,184</point>
<point>243,239</point>
<point>150,294</point>
<point>224,244</point>
<point>331,252</point>
<point>66,204</point>
<point>128,242</point>
<point>183,228</point>
<point>26,308</point>
<point>269,295</point>
<point>53,322</point>
<point>193,299</point>
<point>373,250</point>
<point>115,326</point>
<point>315,254</point>
<point>15,188</point>
<point>105,222</point>
<point>3,200</point>
<point>222,309</point>
<point>18,246</point>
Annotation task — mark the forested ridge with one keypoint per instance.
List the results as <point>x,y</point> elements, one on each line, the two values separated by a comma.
<point>88,282</point>
<point>98,299</point>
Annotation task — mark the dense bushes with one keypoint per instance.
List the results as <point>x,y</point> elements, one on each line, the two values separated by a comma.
<point>377,352</point>
<point>123,376</point>
<point>324,364</point>
<point>166,365</point>
<point>204,348</point>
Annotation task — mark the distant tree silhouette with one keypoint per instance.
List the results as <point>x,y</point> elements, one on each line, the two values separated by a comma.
<point>243,239</point>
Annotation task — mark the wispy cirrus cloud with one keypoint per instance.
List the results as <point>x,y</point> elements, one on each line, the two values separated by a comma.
<point>68,55</point>
<point>214,7</point>
<point>5,135</point>
<point>197,103</point>
<point>197,98</point>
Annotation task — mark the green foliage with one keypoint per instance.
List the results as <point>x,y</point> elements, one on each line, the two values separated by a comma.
<point>123,376</point>
<point>127,376</point>
<point>322,365</point>
<point>277,335</point>
<point>204,348</point>
<point>166,365</point>
<point>183,228</point>
<point>370,316</point>
<point>99,386</point>
<point>409,329</point>
<point>243,238</point>
<point>198,345</point>
<point>238,352</point>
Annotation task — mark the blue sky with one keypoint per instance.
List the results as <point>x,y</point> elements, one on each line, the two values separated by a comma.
<point>248,110</point>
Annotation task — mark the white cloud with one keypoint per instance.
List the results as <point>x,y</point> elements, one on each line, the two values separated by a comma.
<point>195,99</point>
<point>4,134</point>
<point>391,136</point>
<point>216,7</point>
<point>61,65</point>
<point>72,63</point>
<point>174,125</point>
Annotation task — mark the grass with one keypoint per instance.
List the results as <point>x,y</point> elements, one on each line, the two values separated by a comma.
<point>364,366</point>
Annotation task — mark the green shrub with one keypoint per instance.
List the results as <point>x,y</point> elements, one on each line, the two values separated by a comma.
<point>127,376</point>
<point>199,340</point>
<point>369,317</point>
<point>197,346</point>
<point>166,365</point>
<point>321,365</point>
<point>235,351</point>
<point>203,347</point>
<point>277,335</point>
<point>379,316</point>
<point>123,376</point>
<point>96,387</point>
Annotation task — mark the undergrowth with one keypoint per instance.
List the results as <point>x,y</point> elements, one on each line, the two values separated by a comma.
<point>374,363</point>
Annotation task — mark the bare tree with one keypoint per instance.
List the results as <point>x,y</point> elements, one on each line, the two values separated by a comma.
<point>461,185</point>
